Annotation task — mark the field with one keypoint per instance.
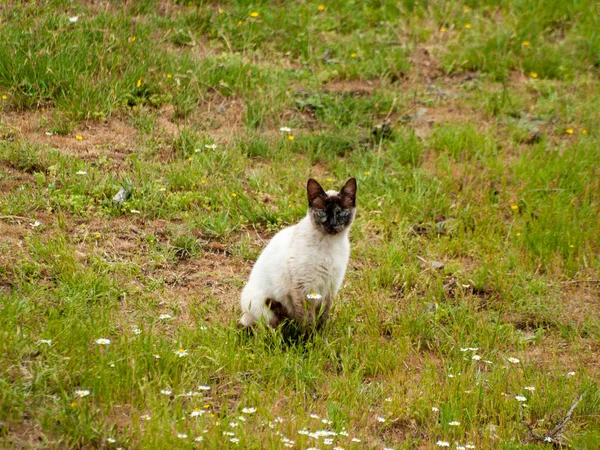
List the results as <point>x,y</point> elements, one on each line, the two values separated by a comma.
<point>470,314</point>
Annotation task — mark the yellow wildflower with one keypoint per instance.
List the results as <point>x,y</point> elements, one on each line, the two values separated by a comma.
<point>525,43</point>
<point>221,11</point>
<point>570,130</point>
<point>514,207</point>
<point>466,9</point>
<point>78,137</point>
<point>533,75</point>
<point>443,29</point>
<point>139,82</point>
<point>353,55</point>
<point>518,234</point>
<point>571,245</point>
<point>468,26</point>
<point>169,75</point>
<point>367,173</point>
<point>290,137</point>
<point>321,7</point>
<point>131,39</point>
<point>4,97</point>
<point>233,194</point>
<point>254,14</point>
<point>240,22</point>
<point>583,131</point>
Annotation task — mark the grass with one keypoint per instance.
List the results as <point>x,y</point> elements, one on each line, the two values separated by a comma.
<point>472,130</point>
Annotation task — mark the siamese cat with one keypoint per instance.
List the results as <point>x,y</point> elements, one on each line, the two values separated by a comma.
<point>301,270</point>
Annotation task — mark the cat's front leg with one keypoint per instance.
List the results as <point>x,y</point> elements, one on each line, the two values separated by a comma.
<point>323,312</point>
<point>303,310</point>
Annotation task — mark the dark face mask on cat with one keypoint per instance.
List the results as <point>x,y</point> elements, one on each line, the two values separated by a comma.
<point>331,213</point>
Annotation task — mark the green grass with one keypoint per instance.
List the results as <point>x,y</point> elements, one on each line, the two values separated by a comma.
<point>490,168</point>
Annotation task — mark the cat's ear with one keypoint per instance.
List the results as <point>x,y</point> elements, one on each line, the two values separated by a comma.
<point>348,192</point>
<point>315,192</point>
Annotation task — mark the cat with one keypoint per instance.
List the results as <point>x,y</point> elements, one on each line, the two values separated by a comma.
<point>301,270</point>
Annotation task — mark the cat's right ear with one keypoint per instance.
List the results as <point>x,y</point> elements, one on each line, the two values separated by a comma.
<point>315,192</point>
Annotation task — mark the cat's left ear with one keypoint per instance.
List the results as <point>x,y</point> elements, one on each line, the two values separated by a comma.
<point>348,192</point>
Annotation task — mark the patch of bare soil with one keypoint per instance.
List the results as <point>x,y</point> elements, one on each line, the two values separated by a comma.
<point>11,178</point>
<point>351,87</point>
<point>581,302</point>
<point>214,276</point>
<point>113,139</point>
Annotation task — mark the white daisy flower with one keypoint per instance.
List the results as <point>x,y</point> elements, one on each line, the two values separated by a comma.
<point>199,439</point>
<point>211,146</point>
<point>136,330</point>
<point>571,374</point>
<point>471,446</point>
<point>197,412</point>
<point>278,419</point>
<point>442,444</point>
<point>513,360</point>
<point>476,357</point>
<point>355,440</point>
<point>111,440</point>
<point>242,419</point>
<point>156,356</point>
<point>81,172</point>
<point>328,441</point>
<point>103,341</point>
<point>82,393</point>
<point>343,433</point>
<point>73,19</point>
<point>234,440</point>
<point>314,416</point>
<point>434,409</point>
<point>547,439</point>
<point>45,341</point>
<point>529,388</point>
<point>285,129</point>
<point>35,224</point>
<point>454,423</point>
<point>49,133</point>
<point>303,432</point>
<point>228,433</point>
<point>182,436</point>
<point>203,388</point>
<point>181,352</point>
<point>249,410</point>
<point>520,398</point>
<point>166,391</point>
<point>460,447</point>
<point>314,296</point>
<point>450,375</point>
<point>381,419</point>
<point>326,422</point>
<point>145,417</point>
<point>165,317</point>
<point>135,211</point>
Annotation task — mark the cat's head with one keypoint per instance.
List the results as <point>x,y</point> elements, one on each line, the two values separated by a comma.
<point>331,212</point>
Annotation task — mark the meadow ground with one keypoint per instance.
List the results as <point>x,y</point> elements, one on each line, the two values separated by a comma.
<point>471,303</point>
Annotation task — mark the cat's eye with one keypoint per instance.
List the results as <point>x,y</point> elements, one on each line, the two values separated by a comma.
<point>344,213</point>
<point>322,214</point>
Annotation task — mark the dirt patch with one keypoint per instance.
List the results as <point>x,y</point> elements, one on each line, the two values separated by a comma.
<point>11,179</point>
<point>424,67</point>
<point>351,87</point>
<point>581,302</point>
<point>113,139</point>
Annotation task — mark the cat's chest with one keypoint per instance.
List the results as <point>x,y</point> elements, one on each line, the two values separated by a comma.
<point>320,264</point>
